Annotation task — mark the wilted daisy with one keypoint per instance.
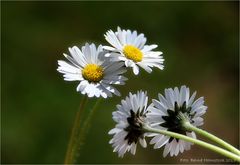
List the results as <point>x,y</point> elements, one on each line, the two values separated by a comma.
<point>168,113</point>
<point>129,117</point>
<point>94,71</point>
<point>130,47</point>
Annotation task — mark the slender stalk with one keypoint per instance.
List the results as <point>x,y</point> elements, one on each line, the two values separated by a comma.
<point>195,141</point>
<point>212,137</point>
<point>86,125</point>
<point>72,145</point>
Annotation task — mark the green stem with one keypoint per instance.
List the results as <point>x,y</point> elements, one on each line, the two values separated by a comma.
<point>72,145</point>
<point>212,137</point>
<point>86,125</point>
<point>195,141</point>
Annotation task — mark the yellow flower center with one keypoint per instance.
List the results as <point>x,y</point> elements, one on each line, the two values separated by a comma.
<point>92,73</point>
<point>133,53</point>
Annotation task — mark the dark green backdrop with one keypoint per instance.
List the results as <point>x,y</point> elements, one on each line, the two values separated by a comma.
<point>200,45</point>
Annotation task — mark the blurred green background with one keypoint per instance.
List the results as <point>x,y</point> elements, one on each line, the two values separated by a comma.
<point>200,45</point>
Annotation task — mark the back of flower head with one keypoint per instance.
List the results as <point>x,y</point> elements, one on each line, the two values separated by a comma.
<point>129,116</point>
<point>131,48</point>
<point>169,113</point>
<point>95,72</point>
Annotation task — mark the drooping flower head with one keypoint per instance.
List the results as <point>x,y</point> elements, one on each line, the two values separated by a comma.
<point>168,113</point>
<point>130,115</point>
<point>130,47</point>
<point>94,71</point>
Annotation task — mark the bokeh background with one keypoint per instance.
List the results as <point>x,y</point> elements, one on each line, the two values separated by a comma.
<point>200,45</point>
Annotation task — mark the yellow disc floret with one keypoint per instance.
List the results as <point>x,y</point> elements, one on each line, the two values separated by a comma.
<point>133,53</point>
<point>92,73</point>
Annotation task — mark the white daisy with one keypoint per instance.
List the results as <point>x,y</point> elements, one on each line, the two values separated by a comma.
<point>130,47</point>
<point>94,71</point>
<point>129,117</point>
<point>166,113</point>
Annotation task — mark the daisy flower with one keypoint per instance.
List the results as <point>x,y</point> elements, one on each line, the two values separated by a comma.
<point>130,47</point>
<point>166,113</point>
<point>93,70</point>
<point>129,117</point>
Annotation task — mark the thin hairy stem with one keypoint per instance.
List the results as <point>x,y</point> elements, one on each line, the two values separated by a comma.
<point>86,125</point>
<point>212,137</point>
<point>73,142</point>
<point>195,141</point>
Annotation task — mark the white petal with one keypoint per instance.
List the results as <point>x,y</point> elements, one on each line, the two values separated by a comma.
<point>147,48</point>
<point>114,130</point>
<point>143,142</point>
<point>133,148</point>
<point>135,69</point>
<point>156,139</point>
<point>82,85</point>
<point>161,142</point>
<point>166,149</point>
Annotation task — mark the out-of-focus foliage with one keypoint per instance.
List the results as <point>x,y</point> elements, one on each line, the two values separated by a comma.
<point>200,45</point>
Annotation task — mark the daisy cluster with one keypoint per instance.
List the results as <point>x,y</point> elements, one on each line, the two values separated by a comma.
<point>99,68</point>
<point>164,113</point>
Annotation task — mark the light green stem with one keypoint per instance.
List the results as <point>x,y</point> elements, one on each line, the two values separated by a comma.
<point>71,154</point>
<point>212,137</point>
<point>195,141</point>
